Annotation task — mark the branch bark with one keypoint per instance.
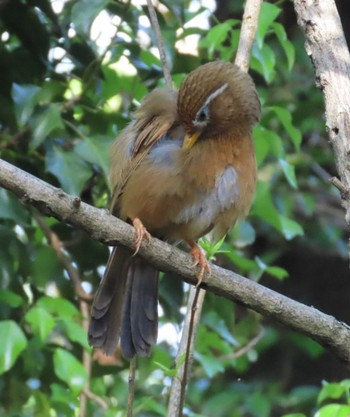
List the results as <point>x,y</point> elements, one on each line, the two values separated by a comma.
<point>328,51</point>
<point>248,32</point>
<point>101,225</point>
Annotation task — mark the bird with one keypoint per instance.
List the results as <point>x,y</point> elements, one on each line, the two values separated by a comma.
<point>185,166</point>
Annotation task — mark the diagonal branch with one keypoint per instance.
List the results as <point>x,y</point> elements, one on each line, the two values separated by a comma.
<point>101,225</point>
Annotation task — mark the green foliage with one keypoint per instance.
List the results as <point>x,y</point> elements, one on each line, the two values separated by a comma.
<point>65,93</point>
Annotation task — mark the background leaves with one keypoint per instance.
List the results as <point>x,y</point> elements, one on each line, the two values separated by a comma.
<point>71,73</point>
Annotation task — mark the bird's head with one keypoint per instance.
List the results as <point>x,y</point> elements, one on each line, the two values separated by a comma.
<point>215,98</point>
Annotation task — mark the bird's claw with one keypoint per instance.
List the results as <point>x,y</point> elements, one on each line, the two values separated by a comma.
<point>141,233</point>
<point>200,260</point>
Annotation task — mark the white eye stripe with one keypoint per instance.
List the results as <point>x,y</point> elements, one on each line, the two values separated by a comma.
<point>214,94</point>
<point>211,97</point>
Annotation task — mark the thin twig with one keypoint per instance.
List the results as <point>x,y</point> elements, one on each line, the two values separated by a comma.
<point>131,393</point>
<point>196,311</point>
<point>157,32</point>
<point>245,349</point>
<point>249,27</point>
<point>87,361</point>
<point>189,330</point>
<point>344,192</point>
<point>98,400</point>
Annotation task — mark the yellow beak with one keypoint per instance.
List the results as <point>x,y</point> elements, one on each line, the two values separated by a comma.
<point>190,140</point>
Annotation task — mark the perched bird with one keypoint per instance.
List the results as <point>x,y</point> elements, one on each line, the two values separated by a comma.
<point>184,167</point>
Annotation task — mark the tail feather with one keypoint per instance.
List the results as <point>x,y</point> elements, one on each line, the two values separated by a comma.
<point>125,306</point>
<point>140,322</point>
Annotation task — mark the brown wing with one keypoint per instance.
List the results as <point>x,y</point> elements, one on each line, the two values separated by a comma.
<point>152,120</point>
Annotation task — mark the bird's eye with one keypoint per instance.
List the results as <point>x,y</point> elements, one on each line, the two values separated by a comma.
<point>203,115</point>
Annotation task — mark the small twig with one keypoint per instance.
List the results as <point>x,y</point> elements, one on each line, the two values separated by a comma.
<point>131,393</point>
<point>190,327</point>
<point>195,314</point>
<point>344,192</point>
<point>245,349</point>
<point>157,32</point>
<point>249,27</point>
<point>87,362</point>
<point>98,400</point>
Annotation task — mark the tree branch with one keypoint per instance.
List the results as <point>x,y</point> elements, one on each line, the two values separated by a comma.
<point>248,31</point>
<point>156,28</point>
<point>101,225</point>
<point>328,51</point>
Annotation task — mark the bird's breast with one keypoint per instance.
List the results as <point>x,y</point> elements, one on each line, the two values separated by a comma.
<point>201,213</point>
<point>183,195</point>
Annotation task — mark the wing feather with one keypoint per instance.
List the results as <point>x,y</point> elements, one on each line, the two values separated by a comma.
<point>151,121</point>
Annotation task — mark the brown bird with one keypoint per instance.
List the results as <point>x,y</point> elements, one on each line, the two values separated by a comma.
<point>184,167</point>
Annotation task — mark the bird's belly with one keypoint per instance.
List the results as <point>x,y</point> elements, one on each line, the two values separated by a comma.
<point>208,207</point>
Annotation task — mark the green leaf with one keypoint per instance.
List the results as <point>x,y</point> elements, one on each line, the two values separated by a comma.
<point>211,365</point>
<point>275,271</point>
<point>294,415</point>
<point>69,168</point>
<point>333,410</point>
<point>267,141</point>
<point>217,35</point>
<point>25,98</point>
<point>264,61</point>
<point>84,12</point>
<point>262,144</point>
<point>167,371</point>
<point>13,342</point>
<point>45,266</point>
<point>290,228</point>
<point>216,323</point>
<point>265,209</point>
<point>58,307</point>
<point>60,394</point>
<point>285,118</point>
<point>285,43</point>
<point>96,151</point>
<point>259,405</point>
<point>243,234</point>
<point>69,370</point>
<point>41,321</point>
<point>76,333</point>
<point>45,122</point>
<point>312,348</point>
<point>10,208</point>
<point>333,391</point>
<point>289,172</point>
<point>10,298</point>
<point>278,272</point>
<point>268,14</point>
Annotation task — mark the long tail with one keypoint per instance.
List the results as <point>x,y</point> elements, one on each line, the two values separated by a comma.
<point>125,306</point>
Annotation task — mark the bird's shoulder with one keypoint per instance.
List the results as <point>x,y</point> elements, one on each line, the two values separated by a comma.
<point>155,118</point>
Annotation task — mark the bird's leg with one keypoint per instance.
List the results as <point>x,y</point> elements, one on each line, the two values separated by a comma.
<point>141,232</point>
<point>200,260</point>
